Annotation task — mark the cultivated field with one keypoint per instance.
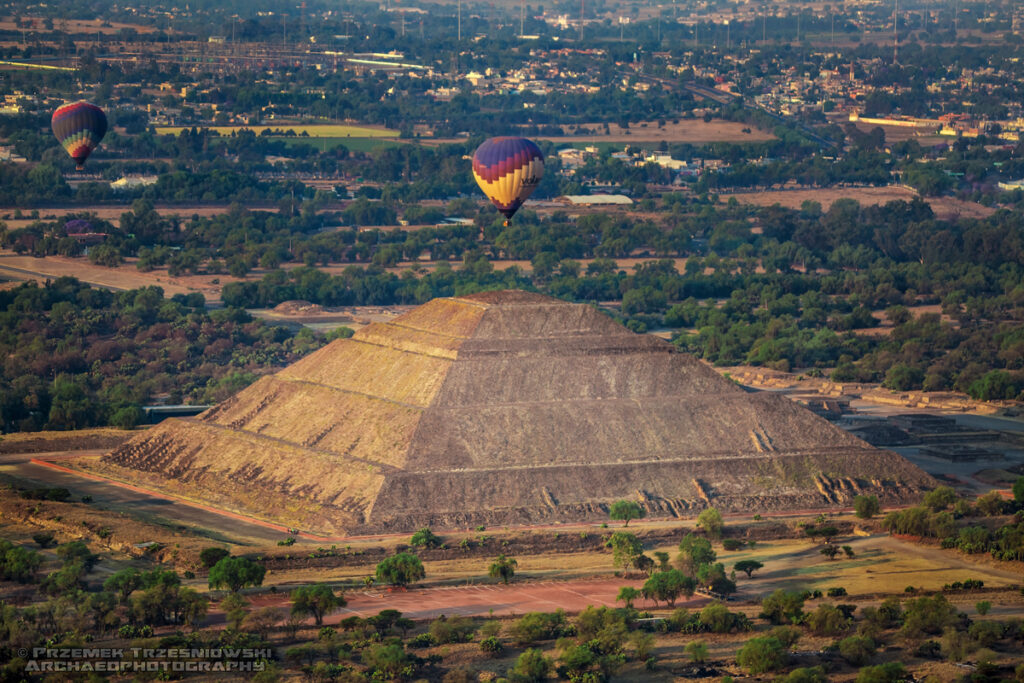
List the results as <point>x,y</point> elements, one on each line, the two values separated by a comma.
<point>943,207</point>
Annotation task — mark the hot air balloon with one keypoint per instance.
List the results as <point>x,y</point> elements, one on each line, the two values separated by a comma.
<point>79,127</point>
<point>508,170</point>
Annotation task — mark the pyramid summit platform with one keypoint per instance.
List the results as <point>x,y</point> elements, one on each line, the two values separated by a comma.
<point>502,408</point>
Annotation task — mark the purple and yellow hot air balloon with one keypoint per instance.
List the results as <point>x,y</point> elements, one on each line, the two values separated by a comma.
<point>508,170</point>
<point>79,127</point>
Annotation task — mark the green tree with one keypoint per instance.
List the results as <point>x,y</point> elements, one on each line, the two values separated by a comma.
<point>748,567</point>
<point>123,584</point>
<point>668,586</point>
<point>627,594</point>
<point>1018,490</point>
<point>710,520</point>
<point>760,655</point>
<point>236,573</point>
<point>866,507</point>
<point>694,551</point>
<point>400,570</point>
<point>983,607</point>
<point>316,601</point>
<point>830,551</point>
<point>503,568</point>
<point>625,510</point>
<point>626,548</point>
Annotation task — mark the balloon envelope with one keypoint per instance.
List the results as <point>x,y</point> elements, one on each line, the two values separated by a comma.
<point>79,127</point>
<point>508,170</point>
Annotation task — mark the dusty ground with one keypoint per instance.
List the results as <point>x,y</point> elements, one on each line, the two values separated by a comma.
<point>944,207</point>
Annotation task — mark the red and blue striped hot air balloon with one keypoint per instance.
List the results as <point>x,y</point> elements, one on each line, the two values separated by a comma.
<point>508,170</point>
<point>79,127</point>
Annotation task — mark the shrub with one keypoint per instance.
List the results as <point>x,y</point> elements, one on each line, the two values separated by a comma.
<point>421,640</point>
<point>827,620</point>
<point>813,674</point>
<point>783,607</point>
<point>890,672</point>
<point>787,635</point>
<point>732,544</point>
<point>492,646</point>
<point>211,556</point>
<point>425,538</point>
<point>531,667</point>
<point>451,630</point>
<point>857,650</point>
<point>537,626</point>
<point>698,651</point>
<point>400,570</point>
<point>44,538</point>
<point>760,655</point>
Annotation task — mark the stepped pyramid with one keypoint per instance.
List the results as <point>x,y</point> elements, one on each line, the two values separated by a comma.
<point>502,408</point>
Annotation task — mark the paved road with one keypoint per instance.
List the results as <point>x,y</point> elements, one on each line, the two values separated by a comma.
<point>148,508</point>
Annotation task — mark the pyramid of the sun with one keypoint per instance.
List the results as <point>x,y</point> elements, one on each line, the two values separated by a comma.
<point>502,407</point>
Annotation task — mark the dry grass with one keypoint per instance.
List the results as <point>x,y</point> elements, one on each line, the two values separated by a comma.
<point>123,277</point>
<point>92,26</point>
<point>318,130</point>
<point>694,131</point>
<point>870,196</point>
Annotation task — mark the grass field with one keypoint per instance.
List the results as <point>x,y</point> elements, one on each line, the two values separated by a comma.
<point>317,130</point>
